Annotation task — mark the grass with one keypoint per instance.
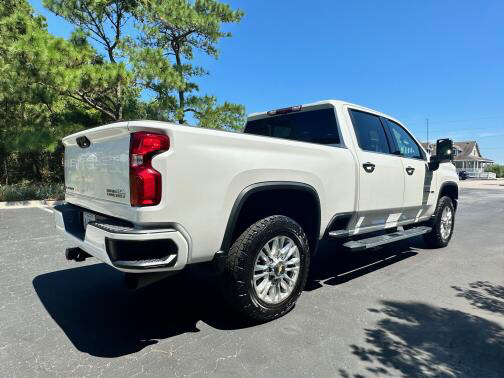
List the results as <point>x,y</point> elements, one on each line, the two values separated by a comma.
<point>28,191</point>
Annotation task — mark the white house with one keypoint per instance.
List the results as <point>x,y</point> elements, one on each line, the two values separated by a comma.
<point>466,157</point>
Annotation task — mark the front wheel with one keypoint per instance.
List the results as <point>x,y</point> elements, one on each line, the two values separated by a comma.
<point>442,224</point>
<point>266,269</point>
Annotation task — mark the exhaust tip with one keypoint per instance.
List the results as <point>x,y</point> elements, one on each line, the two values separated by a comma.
<point>76,254</point>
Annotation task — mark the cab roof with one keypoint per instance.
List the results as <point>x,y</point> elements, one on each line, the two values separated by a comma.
<point>324,103</point>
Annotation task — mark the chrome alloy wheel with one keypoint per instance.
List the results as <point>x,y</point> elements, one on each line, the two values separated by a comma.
<point>276,270</point>
<point>446,223</point>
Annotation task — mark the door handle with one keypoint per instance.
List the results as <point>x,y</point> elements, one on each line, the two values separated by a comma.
<point>410,170</point>
<point>368,167</point>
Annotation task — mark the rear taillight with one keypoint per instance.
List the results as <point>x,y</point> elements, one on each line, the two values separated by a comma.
<point>145,181</point>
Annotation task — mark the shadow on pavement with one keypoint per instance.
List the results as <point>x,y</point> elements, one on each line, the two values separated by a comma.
<point>329,268</point>
<point>102,318</point>
<point>421,340</point>
<point>485,296</point>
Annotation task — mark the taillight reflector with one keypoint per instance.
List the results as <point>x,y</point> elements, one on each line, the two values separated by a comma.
<point>145,181</point>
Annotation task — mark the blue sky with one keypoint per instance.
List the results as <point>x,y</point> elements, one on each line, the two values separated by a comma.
<point>442,60</point>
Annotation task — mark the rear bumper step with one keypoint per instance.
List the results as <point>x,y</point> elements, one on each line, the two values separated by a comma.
<point>122,246</point>
<point>375,241</point>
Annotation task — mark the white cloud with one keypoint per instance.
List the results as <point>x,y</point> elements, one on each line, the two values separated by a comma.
<point>490,134</point>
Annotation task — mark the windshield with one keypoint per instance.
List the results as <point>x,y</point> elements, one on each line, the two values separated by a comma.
<point>313,126</point>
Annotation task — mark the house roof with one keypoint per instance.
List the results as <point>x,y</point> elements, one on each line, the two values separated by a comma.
<point>465,151</point>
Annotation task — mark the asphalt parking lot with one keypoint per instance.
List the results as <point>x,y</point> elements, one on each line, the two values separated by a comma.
<point>399,311</point>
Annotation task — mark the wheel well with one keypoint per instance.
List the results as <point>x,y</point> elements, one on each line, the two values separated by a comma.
<point>450,189</point>
<point>300,203</point>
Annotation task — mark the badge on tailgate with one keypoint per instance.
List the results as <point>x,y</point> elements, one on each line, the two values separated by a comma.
<point>118,193</point>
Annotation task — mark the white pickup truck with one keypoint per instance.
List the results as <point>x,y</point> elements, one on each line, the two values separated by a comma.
<point>149,198</point>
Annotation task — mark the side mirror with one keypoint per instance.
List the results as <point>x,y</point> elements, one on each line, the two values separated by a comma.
<point>444,150</point>
<point>444,153</point>
<point>433,163</point>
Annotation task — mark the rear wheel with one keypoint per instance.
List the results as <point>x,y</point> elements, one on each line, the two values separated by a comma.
<point>442,224</point>
<point>267,267</point>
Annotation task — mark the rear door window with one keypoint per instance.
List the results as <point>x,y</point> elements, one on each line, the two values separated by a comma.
<point>370,132</point>
<point>313,126</point>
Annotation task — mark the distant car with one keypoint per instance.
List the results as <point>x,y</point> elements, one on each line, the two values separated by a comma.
<point>462,175</point>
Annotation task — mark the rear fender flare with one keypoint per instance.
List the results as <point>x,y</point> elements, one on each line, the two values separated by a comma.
<point>259,187</point>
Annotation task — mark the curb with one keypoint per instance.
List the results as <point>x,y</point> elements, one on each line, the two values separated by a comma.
<point>28,204</point>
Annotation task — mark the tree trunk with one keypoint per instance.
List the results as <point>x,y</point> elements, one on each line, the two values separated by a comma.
<point>181,93</point>
<point>119,100</point>
<point>36,167</point>
<point>6,172</point>
<point>181,119</point>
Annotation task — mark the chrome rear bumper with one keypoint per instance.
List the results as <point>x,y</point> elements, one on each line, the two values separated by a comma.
<point>121,245</point>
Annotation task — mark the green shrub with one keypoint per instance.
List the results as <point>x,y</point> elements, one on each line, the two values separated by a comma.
<point>497,169</point>
<point>27,191</point>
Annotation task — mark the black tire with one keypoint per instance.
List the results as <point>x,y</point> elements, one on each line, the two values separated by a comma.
<point>435,238</point>
<point>237,280</point>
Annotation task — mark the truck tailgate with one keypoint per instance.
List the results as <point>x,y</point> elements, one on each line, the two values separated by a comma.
<point>97,163</point>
